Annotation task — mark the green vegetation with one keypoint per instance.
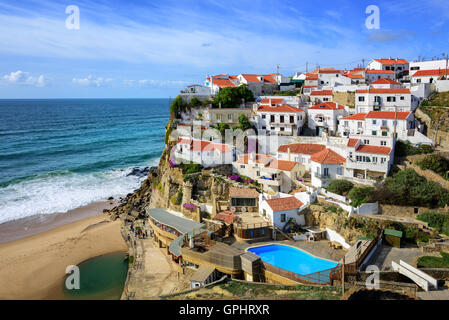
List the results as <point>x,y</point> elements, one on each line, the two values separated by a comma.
<point>341,187</point>
<point>179,197</point>
<point>222,127</point>
<point>436,163</point>
<point>410,233</point>
<point>131,259</point>
<point>191,168</point>
<point>244,123</point>
<point>168,131</point>
<point>439,221</point>
<point>160,187</point>
<point>245,290</point>
<point>407,188</point>
<point>360,195</point>
<point>403,149</point>
<point>232,97</point>
<point>434,262</point>
<point>177,106</point>
<point>289,93</point>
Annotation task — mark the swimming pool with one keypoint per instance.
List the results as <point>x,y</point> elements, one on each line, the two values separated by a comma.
<point>292,259</point>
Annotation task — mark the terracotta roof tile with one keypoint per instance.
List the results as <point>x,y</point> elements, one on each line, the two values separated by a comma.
<point>282,204</point>
<point>327,156</point>
<point>225,216</point>
<point>352,142</point>
<point>328,106</point>
<point>374,149</point>
<point>259,158</point>
<point>321,93</point>
<point>385,81</point>
<point>243,192</point>
<point>283,165</point>
<point>386,90</point>
<point>301,148</point>
<point>429,73</point>
<point>379,71</point>
<point>392,61</point>
<point>283,108</point>
<point>388,115</point>
<point>357,116</point>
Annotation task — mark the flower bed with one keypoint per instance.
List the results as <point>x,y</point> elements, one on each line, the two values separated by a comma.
<point>190,206</point>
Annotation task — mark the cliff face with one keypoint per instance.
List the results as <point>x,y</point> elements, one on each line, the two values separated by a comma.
<point>167,187</point>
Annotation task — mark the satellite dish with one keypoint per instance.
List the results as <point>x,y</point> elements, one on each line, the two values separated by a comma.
<point>243,209</point>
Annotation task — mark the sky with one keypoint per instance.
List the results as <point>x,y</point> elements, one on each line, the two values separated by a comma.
<point>153,49</point>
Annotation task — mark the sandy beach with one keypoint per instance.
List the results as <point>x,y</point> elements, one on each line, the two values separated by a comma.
<point>34,267</point>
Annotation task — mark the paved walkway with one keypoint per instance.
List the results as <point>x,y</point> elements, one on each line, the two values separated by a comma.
<point>152,274</point>
<point>385,254</point>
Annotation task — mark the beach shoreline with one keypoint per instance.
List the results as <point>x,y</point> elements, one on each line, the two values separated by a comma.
<point>33,267</point>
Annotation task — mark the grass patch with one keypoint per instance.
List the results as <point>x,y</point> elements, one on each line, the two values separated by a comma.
<point>439,221</point>
<point>434,262</point>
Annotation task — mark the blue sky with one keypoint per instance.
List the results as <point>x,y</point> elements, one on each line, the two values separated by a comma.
<point>139,49</point>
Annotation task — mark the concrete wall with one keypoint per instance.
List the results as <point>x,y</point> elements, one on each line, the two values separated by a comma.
<point>332,235</point>
<point>368,208</point>
<point>442,85</point>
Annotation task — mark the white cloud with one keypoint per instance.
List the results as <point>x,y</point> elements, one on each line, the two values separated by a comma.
<point>90,81</point>
<point>24,78</point>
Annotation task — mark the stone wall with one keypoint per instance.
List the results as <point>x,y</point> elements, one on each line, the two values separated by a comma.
<point>406,211</point>
<point>345,98</point>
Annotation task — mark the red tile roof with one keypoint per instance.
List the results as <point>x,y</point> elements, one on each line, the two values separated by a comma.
<point>352,142</point>
<point>429,73</point>
<point>225,216</point>
<point>385,90</point>
<point>269,78</point>
<point>373,149</point>
<point>392,61</point>
<point>302,148</point>
<point>379,71</point>
<point>282,204</point>
<point>273,101</point>
<point>258,158</point>
<point>385,81</point>
<point>328,106</point>
<point>388,115</point>
<point>321,93</point>
<point>200,145</point>
<point>283,108</point>
<point>282,165</point>
<point>355,76</point>
<point>222,83</point>
<point>325,70</point>
<point>357,116</point>
<point>251,77</point>
<point>327,156</point>
<point>243,192</point>
<point>310,76</point>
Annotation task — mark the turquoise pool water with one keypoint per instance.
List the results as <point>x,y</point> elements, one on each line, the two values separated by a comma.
<point>292,259</point>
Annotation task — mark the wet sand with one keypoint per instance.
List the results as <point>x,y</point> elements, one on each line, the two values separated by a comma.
<point>34,267</point>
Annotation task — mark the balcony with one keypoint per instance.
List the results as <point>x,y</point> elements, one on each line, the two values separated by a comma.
<point>269,181</point>
<point>322,176</point>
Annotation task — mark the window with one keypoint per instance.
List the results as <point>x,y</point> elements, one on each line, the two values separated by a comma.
<point>263,116</point>
<point>282,128</point>
<point>242,166</point>
<point>374,133</point>
<point>229,117</point>
<point>326,172</point>
<point>359,124</point>
<point>243,202</point>
<point>325,99</point>
<point>391,99</point>
<point>374,121</point>
<point>339,171</point>
<point>264,127</point>
<point>375,159</point>
<point>384,133</point>
<point>292,119</point>
<point>283,217</point>
<point>272,128</point>
<point>382,160</point>
<point>258,173</point>
<point>346,123</point>
<point>282,119</point>
<point>383,143</point>
<point>376,99</point>
<point>418,80</point>
<point>366,141</point>
<point>272,118</point>
<point>361,99</point>
<point>402,97</point>
<point>384,122</point>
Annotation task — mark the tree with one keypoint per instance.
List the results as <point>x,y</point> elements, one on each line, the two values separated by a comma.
<point>231,97</point>
<point>244,122</point>
<point>341,187</point>
<point>177,106</point>
<point>359,195</point>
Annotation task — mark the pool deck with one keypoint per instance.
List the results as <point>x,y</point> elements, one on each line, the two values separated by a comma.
<point>319,249</point>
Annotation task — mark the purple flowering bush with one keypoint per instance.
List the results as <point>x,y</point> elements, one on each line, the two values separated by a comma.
<point>190,206</point>
<point>235,177</point>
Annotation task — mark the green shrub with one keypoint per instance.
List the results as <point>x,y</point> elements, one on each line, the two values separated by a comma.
<point>231,97</point>
<point>341,187</point>
<point>179,197</point>
<point>403,149</point>
<point>191,168</point>
<point>331,209</point>
<point>177,106</point>
<point>434,262</point>
<point>436,163</point>
<point>360,195</point>
<point>439,221</point>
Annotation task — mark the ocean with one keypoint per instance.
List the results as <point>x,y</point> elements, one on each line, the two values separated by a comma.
<point>58,155</point>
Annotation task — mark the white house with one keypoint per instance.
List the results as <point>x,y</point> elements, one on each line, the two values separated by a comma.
<point>429,76</point>
<point>280,120</point>
<point>299,152</point>
<point>206,153</point>
<point>353,124</point>
<point>367,159</point>
<point>373,75</point>
<point>196,91</point>
<point>324,117</point>
<point>274,175</point>
<point>280,211</point>
<point>325,166</point>
<point>385,83</point>
<point>427,65</point>
<point>318,96</point>
<point>215,83</point>
<point>310,83</point>
<point>259,84</point>
<point>399,66</point>
<point>390,99</point>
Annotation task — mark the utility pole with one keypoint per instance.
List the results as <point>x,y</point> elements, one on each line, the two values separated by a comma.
<point>277,69</point>
<point>307,67</point>
<point>363,63</point>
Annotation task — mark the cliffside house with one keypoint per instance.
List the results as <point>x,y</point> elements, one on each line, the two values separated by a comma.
<point>299,152</point>
<point>399,66</point>
<point>323,117</point>
<point>325,166</point>
<point>243,199</point>
<point>279,211</point>
<point>280,119</point>
<point>206,153</point>
<point>387,99</point>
